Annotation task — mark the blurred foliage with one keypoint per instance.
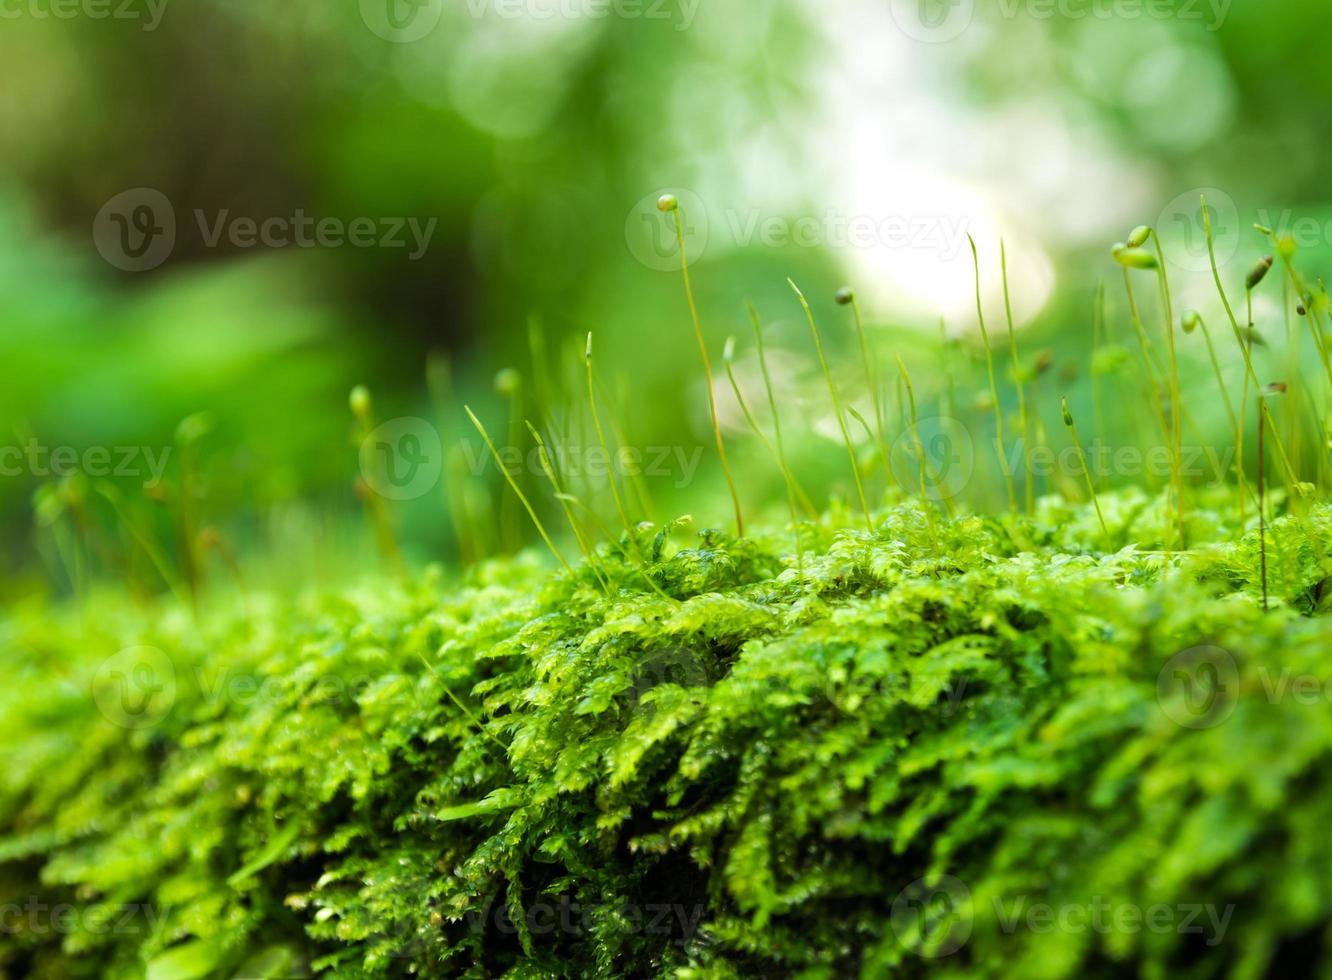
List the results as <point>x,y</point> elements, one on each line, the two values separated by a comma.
<point>532,141</point>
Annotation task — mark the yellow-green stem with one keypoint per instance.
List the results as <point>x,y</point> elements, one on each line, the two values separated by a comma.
<point>837,408</point>
<point>872,383</point>
<point>994,385</point>
<point>707,373</point>
<point>792,483</point>
<point>541,528</point>
<point>1086,472</point>
<point>1176,402</point>
<point>1023,422</point>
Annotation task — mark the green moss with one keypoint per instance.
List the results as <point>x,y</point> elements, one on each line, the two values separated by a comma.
<point>764,774</point>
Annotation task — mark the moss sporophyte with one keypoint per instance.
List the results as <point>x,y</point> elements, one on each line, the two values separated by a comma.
<point>857,735</point>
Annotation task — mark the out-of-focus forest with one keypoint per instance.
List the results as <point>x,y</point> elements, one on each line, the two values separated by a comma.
<point>217,217</point>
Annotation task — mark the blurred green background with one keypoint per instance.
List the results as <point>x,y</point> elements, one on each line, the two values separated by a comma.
<point>855,143</point>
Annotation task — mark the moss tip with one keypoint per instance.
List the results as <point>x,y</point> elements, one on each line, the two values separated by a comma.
<point>1063,409</point>
<point>845,296</point>
<point>193,427</point>
<point>1258,273</point>
<point>507,382</point>
<point>359,400</point>
<point>1138,236</point>
<point>667,203</point>
<point>1133,258</point>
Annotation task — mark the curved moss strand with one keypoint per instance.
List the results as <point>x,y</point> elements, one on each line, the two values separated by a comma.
<point>837,408</point>
<point>518,491</point>
<point>1023,422</point>
<point>848,297</point>
<point>994,385</point>
<point>1176,400</point>
<point>1251,376</point>
<point>548,467</point>
<point>771,449</point>
<point>630,532</point>
<point>670,204</point>
<point>787,472</point>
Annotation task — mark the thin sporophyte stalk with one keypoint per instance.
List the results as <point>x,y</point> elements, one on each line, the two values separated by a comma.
<point>518,490</point>
<point>837,408</point>
<point>1082,459</point>
<point>1023,422</point>
<point>994,385</point>
<point>671,205</point>
<point>847,297</point>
